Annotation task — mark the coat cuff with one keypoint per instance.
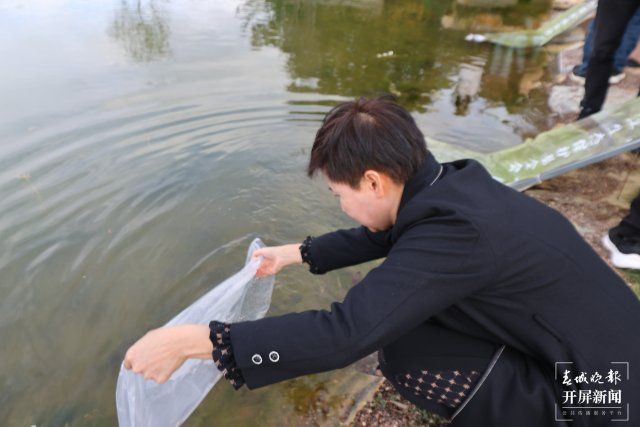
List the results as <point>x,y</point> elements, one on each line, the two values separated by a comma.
<point>305,252</point>
<point>220,336</point>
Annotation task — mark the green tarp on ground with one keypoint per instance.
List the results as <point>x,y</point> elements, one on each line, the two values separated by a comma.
<point>541,36</point>
<point>559,150</point>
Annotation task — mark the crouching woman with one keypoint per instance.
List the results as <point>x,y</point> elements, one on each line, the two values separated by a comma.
<point>484,295</point>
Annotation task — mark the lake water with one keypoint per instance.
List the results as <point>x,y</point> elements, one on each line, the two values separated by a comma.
<point>144,144</point>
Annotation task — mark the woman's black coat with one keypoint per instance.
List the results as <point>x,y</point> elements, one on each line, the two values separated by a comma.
<point>480,258</point>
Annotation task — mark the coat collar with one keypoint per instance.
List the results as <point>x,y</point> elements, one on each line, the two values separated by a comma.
<point>428,173</point>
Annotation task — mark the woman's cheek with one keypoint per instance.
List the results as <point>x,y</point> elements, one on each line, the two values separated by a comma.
<point>347,210</point>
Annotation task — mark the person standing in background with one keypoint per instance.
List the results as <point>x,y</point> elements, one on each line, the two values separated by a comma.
<point>620,59</point>
<point>613,18</point>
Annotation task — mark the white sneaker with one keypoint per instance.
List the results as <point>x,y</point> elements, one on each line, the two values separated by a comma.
<point>618,258</point>
<point>616,78</point>
<point>613,80</point>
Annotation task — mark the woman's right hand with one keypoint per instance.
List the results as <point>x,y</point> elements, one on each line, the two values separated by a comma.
<point>277,257</point>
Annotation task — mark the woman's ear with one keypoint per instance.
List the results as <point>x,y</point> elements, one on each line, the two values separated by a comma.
<point>375,182</point>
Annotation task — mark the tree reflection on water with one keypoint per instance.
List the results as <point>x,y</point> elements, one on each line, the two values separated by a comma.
<point>142,29</point>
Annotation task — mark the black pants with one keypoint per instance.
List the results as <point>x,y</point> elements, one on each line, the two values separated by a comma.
<point>612,17</point>
<point>513,388</point>
<point>611,22</point>
<point>626,236</point>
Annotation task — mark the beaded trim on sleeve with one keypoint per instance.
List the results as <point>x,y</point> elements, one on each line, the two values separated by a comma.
<point>220,336</point>
<point>305,252</point>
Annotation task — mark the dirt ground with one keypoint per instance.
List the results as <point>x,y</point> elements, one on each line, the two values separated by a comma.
<point>594,198</point>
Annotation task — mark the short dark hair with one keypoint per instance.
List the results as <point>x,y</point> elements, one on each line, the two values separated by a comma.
<point>367,133</point>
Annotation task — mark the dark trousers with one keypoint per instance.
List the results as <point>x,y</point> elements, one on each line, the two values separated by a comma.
<point>512,386</point>
<point>626,235</point>
<point>633,219</point>
<point>612,17</point>
<point>611,21</point>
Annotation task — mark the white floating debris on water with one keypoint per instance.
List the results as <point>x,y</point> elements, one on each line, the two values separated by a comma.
<point>478,38</point>
<point>384,54</point>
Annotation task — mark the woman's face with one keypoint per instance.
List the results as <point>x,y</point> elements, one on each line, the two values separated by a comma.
<point>373,204</point>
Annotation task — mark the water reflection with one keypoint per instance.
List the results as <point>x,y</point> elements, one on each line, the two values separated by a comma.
<point>511,74</point>
<point>348,62</point>
<point>403,48</point>
<point>147,142</point>
<point>311,399</point>
<point>495,15</point>
<point>141,29</point>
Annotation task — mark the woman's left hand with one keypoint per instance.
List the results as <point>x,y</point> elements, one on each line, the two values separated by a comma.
<point>160,352</point>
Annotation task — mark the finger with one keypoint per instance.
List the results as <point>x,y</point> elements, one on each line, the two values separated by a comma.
<point>256,253</point>
<point>127,359</point>
<point>263,268</point>
<point>154,377</point>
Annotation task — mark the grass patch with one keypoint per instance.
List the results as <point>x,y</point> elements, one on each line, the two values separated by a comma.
<point>633,278</point>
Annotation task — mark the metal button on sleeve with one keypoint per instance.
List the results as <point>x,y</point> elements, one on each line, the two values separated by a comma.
<point>256,359</point>
<point>274,356</point>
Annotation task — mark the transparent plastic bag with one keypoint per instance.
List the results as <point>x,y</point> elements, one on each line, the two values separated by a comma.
<point>143,402</point>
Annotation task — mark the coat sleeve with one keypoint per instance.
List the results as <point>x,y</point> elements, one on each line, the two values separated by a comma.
<point>432,265</point>
<point>342,248</point>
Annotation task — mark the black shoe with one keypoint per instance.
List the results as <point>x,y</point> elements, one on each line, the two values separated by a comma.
<point>586,112</point>
<point>632,63</point>
<point>624,248</point>
<point>576,75</point>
